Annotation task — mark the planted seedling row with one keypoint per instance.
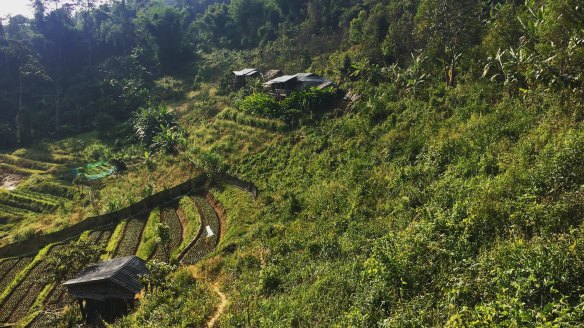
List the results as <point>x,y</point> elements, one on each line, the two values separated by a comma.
<point>25,162</point>
<point>32,194</point>
<point>25,294</point>
<point>7,265</point>
<point>16,302</point>
<point>170,217</point>
<point>131,238</point>
<point>104,238</point>
<point>16,212</point>
<point>9,275</point>
<point>204,244</point>
<point>55,189</point>
<point>26,203</point>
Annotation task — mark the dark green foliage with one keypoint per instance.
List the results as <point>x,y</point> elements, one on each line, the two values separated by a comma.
<point>157,128</point>
<point>65,262</point>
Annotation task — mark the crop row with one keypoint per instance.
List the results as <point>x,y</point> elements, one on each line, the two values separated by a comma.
<point>209,213</point>
<point>104,238</point>
<point>8,276</point>
<point>53,188</point>
<point>57,298</point>
<point>24,295</point>
<point>203,245</point>
<point>131,238</point>
<point>256,122</point>
<point>170,217</point>
<point>26,302</point>
<point>32,194</point>
<point>6,265</point>
<point>16,306</point>
<point>94,236</point>
<point>99,237</point>
<point>25,162</point>
<point>9,168</point>
<point>27,203</point>
<point>162,253</point>
<point>13,212</point>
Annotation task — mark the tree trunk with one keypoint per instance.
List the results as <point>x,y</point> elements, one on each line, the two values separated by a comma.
<point>19,111</point>
<point>57,104</point>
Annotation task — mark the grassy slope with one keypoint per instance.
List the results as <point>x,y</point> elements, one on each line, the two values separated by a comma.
<point>392,211</point>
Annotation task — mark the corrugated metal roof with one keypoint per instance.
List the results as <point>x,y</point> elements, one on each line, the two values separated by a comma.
<point>246,72</point>
<point>122,271</point>
<point>282,79</point>
<point>301,75</point>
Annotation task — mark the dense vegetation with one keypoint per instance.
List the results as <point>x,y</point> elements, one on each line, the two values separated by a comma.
<point>450,193</point>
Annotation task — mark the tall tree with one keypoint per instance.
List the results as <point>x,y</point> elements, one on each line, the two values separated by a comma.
<point>27,70</point>
<point>448,28</point>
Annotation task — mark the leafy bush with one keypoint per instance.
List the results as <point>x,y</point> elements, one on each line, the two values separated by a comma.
<point>292,109</point>
<point>157,128</point>
<point>97,152</point>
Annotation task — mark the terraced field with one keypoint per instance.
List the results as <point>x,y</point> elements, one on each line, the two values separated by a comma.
<point>203,244</point>
<point>10,268</point>
<point>171,219</point>
<point>131,238</point>
<point>21,298</point>
<point>233,133</point>
<point>31,186</point>
<point>29,288</point>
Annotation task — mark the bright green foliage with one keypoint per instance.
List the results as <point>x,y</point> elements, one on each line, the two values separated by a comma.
<point>114,240</point>
<point>192,220</point>
<point>66,262</point>
<point>178,301</point>
<point>150,236</point>
<point>260,104</point>
<point>299,104</point>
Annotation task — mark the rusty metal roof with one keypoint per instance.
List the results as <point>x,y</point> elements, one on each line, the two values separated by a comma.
<point>124,272</point>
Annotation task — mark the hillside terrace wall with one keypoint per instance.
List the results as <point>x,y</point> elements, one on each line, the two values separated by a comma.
<point>144,206</point>
<point>36,243</point>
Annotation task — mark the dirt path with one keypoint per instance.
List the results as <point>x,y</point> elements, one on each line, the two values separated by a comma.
<point>220,308</point>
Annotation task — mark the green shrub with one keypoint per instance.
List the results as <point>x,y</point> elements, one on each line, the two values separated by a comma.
<point>150,236</point>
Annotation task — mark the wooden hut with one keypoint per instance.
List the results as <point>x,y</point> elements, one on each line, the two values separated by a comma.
<point>282,86</point>
<point>240,77</point>
<point>107,290</point>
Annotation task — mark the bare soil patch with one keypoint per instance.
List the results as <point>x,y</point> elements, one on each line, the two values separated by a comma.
<point>9,181</point>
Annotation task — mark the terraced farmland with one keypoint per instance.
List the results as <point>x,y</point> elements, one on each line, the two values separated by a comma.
<point>16,306</point>
<point>232,133</point>
<point>10,268</point>
<point>131,238</point>
<point>31,188</point>
<point>28,288</point>
<point>203,244</point>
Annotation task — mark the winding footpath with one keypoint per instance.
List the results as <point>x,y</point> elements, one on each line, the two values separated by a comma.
<point>220,308</point>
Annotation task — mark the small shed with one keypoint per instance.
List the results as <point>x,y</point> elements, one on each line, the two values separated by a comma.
<point>282,86</point>
<point>107,290</point>
<point>309,80</point>
<point>240,77</point>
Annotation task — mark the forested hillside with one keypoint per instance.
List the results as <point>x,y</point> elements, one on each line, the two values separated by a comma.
<point>447,189</point>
